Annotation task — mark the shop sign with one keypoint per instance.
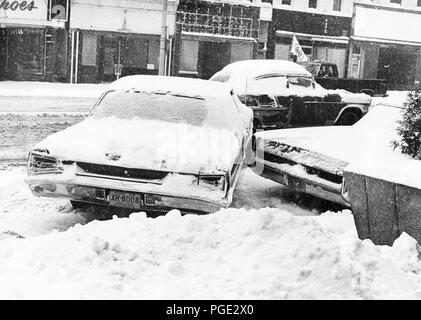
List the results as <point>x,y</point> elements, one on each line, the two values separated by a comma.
<point>21,9</point>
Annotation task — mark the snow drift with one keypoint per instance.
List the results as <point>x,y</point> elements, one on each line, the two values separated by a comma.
<point>234,254</point>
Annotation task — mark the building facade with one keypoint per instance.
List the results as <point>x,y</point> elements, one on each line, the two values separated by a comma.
<point>33,39</point>
<point>101,40</point>
<point>323,29</point>
<point>390,48</point>
<point>212,34</point>
<point>112,38</point>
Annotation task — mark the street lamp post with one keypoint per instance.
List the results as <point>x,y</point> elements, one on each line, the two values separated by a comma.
<point>163,42</point>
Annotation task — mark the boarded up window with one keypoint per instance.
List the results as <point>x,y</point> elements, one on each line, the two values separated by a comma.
<point>189,55</point>
<point>89,49</point>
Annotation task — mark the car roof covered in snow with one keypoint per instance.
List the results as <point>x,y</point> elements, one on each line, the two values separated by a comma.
<point>174,85</point>
<point>255,77</point>
<point>255,68</point>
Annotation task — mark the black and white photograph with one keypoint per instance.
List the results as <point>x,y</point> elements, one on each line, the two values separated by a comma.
<point>210,150</point>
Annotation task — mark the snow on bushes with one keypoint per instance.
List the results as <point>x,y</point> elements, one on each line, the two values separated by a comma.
<point>409,129</point>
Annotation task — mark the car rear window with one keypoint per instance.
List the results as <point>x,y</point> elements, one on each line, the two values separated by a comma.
<point>152,106</point>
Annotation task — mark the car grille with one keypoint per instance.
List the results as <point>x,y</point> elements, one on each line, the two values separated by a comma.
<point>121,172</point>
<point>335,178</point>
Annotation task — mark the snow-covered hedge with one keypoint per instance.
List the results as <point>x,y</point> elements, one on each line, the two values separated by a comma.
<point>409,129</point>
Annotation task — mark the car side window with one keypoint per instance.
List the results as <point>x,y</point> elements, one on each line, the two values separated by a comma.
<point>266,101</point>
<point>252,101</point>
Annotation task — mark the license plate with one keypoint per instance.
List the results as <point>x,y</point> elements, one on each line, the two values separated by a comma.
<point>125,200</point>
<point>296,184</point>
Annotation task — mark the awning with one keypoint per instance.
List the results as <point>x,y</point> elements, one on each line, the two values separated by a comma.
<point>214,37</point>
<point>386,41</point>
<point>313,37</point>
<point>22,23</point>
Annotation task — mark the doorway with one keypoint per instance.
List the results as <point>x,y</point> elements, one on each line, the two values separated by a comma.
<point>111,56</point>
<point>127,55</point>
<point>397,67</point>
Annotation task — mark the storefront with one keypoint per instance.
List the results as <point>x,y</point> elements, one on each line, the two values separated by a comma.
<point>385,49</point>
<point>33,40</point>
<point>211,35</point>
<point>322,37</point>
<point>126,42</point>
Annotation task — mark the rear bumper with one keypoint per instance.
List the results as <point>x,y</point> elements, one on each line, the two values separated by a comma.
<point>290,179</point>
<point>97,191</point>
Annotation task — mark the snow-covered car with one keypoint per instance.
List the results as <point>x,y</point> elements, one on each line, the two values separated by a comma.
<point>283,94</point>
<point>312,160</point>
<point>150,143</point>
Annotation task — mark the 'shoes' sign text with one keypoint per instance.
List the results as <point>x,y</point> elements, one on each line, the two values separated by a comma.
<point>17,5</point>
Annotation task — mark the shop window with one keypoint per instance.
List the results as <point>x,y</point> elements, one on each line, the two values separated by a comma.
<point>320,54</point>
<point>286,2</point>
<point>312,4</point>
<point>337,4</point>
<point>189,57</point>
<point>134,53</point>
<point>30,52</point>
<point>282,51</point>
<point>89,49</point>
<point>240,51</point>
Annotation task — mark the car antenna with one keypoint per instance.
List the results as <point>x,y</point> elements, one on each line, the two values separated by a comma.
<point>247,82</point>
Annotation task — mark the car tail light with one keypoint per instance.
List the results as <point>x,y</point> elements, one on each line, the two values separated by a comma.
<point>212,181</point>
<point>42,163</point>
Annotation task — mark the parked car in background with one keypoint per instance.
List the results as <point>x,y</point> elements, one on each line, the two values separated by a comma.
<point>312,160</point>
<point>327,75</point>
<point>283,94</point>
<point>150,143</point>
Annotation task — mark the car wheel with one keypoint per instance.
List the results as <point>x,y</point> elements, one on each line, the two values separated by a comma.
<point>349,118</point>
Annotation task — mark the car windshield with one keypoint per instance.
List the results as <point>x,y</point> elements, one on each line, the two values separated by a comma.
<point>152,106</point>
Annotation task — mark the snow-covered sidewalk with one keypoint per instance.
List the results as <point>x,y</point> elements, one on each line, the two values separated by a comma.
<point>49,89</point>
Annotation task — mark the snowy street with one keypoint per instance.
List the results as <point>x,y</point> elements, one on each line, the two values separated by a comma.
<point>271,243</point>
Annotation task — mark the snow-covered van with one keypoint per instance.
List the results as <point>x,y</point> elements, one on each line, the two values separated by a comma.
<point>150,143</point>
<point>283,94</point>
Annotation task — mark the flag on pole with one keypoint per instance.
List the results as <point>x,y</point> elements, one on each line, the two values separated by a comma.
<point>298,51</point>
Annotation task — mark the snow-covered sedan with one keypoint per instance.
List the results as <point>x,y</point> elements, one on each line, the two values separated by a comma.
<point>312,160</point>
<point>284,94</point>
<point>150,143</point>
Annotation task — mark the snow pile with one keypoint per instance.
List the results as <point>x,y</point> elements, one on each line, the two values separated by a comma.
<point>395,98</point>
<point>23,214</point>
<point>48,89</point>
<point>234,254</point>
